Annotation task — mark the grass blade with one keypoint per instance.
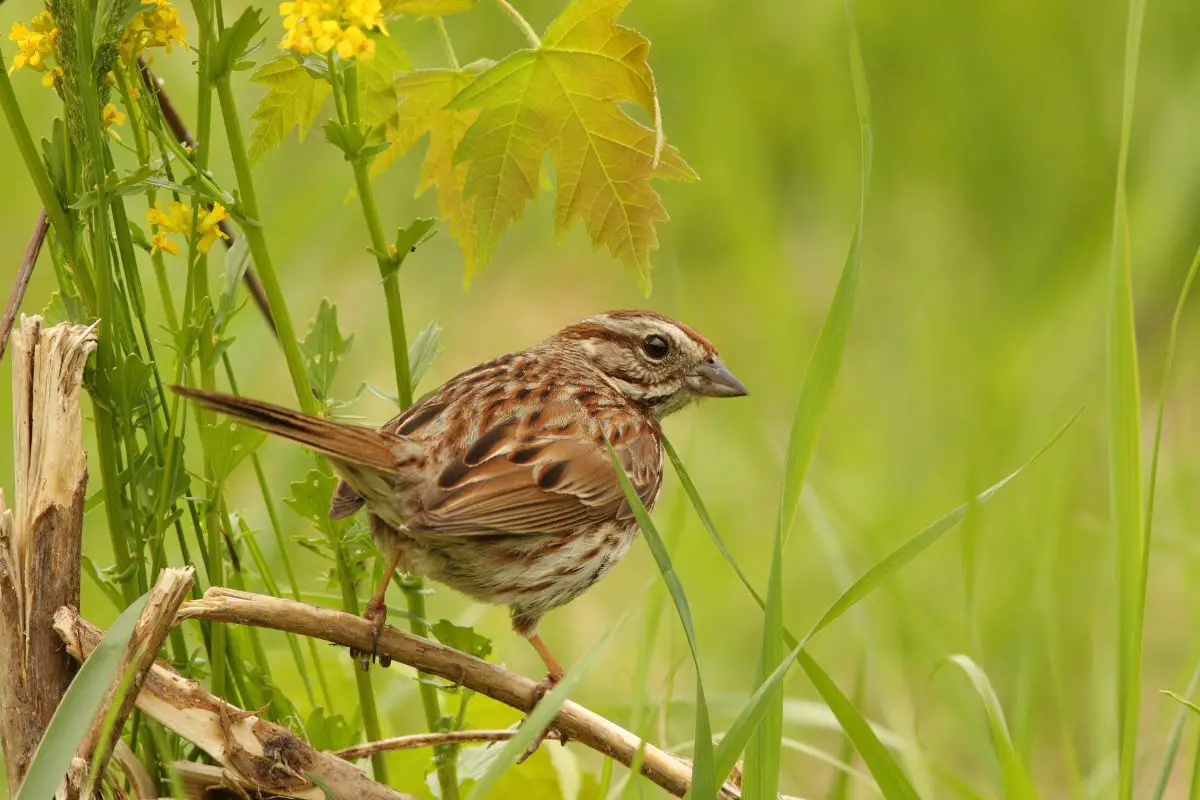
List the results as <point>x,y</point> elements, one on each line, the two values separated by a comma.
<point>704,775</point>
<point>887,772</point>
<point>739,733</point>
<point>764,753</point>
<point>79,706</point>
<point>1017,784</point>
<point>1124,459</point>
<point>543,714</point>
<point>826,359</point>
<point>1164,773</point>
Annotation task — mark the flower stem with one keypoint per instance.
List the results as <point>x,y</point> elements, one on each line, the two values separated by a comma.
<point>256,241</point>
<point>522,23</point>
<point>414,596</point>
<point>33,161</point>
<point>447,45</point>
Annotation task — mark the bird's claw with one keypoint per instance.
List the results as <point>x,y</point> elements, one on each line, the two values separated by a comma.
<point>539,691</point>
<point>376,614</point>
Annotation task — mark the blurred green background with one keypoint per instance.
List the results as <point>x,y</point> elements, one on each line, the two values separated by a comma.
<point>979,330</point>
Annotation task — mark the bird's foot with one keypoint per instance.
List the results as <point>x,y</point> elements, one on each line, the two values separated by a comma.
<point>376,614</point>
<point>539,691</point>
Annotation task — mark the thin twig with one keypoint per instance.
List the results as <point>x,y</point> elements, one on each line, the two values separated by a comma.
<point>578,723</point>
<point>179,130</point>
<point>267,755</point>
<point>24,273</point>
<point>522,23</point>
<point>419,740</point>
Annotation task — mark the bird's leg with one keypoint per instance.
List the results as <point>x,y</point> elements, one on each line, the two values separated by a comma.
<point>554,674</point>
<point>376,612</point>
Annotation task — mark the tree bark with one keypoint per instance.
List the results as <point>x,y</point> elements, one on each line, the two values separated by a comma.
<point>40,542</point>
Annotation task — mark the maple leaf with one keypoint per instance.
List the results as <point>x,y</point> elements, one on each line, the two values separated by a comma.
<point>422,111</point>
<point>565,98</point>
<point>376,94</point>
<point>293,100</point>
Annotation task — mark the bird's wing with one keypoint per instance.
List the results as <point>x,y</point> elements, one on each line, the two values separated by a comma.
<point>519,477</point>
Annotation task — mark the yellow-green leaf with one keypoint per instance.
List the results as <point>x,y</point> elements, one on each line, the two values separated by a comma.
<point>423,98</point>
<point>565,99</point>
<point>426,8</point>
<point>377,97</point>
<point>293,100</point>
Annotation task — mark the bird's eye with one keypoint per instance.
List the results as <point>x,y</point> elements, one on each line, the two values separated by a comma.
<point>655,347</point>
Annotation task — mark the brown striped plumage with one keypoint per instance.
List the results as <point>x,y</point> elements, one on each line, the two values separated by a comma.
<point>499,484</point>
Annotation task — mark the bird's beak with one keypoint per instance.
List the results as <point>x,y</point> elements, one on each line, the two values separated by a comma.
<point>713,379</point>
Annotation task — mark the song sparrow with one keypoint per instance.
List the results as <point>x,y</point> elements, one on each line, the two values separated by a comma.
<point>500,484</point>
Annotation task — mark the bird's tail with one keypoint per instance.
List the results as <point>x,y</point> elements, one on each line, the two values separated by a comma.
<point>355,444</point>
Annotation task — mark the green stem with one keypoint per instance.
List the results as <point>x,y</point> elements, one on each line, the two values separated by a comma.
<point>248,201</point>
<point>522,23</point>
<point>447,45</point>
<point>268,580</point>
<point>256,241</point>
<point>387,271</point>
<point>413,592</point>
<point>107,352</point>
<point>33,162</point>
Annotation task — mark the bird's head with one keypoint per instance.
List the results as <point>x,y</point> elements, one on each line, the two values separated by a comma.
<point>657,362</point>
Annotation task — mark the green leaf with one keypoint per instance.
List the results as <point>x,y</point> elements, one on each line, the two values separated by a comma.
<point>566,99</point>
<point>310,497</point>
<point>462,638</point>
<point>294,98</point>
<point>704,779</point>
<point>328,731</point>
<point>407,241</point>
<point>237,261</point>
<point>324,347</point>
<point>348,140</point>
<point>1017,784</point>
<point>423,97</point>
<point>228,443</point>
<point>424,351</point>
<point>78,707</point>
<point>234,43</point>
<point>377,95</point>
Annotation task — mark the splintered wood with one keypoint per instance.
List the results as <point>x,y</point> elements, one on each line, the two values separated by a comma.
<point>40,542</point>
<point>267,756</point>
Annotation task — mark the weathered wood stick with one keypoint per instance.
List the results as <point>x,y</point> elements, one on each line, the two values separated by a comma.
<point>40,539</point>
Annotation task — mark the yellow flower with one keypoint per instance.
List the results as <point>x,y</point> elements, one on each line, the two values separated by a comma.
<point>35,43</point>
<point>336,25</point>
<point>112,116</point>
<point>209,227</point>
<point>160,242</point>
<point>155,27</point>
<point>355,44</point>
<point>50,75</point>
<point>178,219</point>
